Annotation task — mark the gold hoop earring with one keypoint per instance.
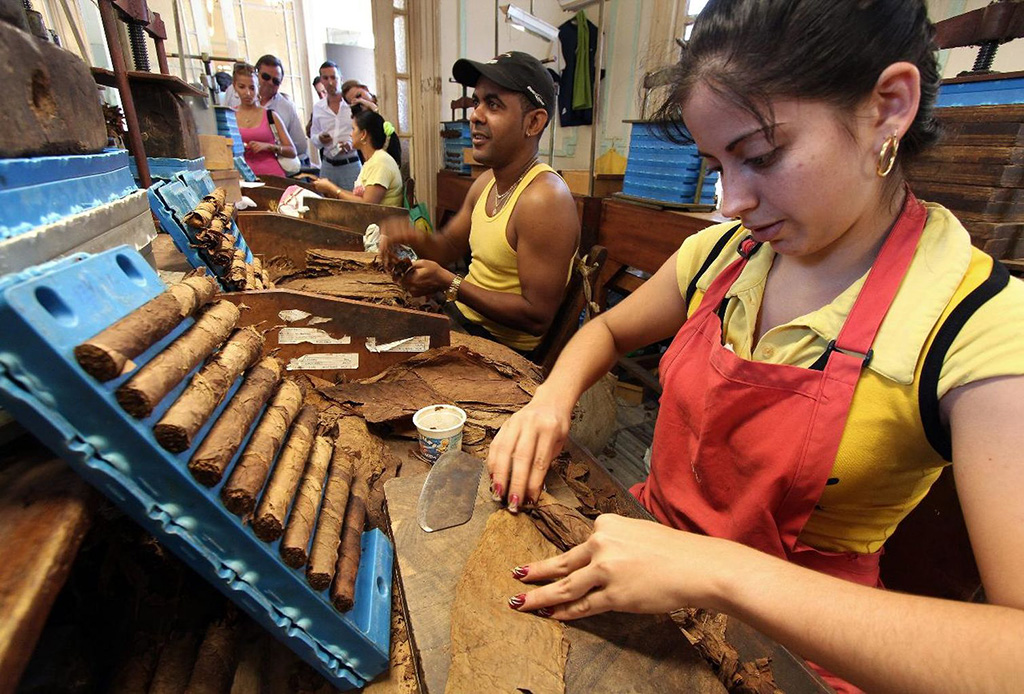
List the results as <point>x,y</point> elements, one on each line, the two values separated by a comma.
<point>887,155</point>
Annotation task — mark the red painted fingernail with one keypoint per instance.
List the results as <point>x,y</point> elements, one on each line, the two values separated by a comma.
<point>513,503</point>
<point>544,612</point>
<point>517,601</point>
<point>496,491</point>
<point>520,572</point>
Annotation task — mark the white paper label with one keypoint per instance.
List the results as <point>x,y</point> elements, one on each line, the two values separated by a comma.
<point>323,362</point>
<point>420,343</point>
<point>317,320</point>
<point>292,314</point>
<point>314,336</point>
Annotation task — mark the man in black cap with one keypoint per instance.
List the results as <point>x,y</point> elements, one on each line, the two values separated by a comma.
<point>519,219</point>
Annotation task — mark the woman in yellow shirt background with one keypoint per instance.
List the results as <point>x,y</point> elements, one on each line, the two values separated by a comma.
<point>380,180</point>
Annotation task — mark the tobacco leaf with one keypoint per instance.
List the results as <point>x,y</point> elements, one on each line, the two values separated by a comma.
<point>495,649</point>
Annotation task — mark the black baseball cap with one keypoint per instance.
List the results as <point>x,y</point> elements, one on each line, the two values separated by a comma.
<point>515,70</point>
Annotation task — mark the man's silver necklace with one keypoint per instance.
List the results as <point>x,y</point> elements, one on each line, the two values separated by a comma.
<point>501,198</point>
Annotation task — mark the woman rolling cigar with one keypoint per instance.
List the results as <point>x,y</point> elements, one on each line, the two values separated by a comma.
<point>380,180</point>
<point>834,349</point>
<point>264,134</point>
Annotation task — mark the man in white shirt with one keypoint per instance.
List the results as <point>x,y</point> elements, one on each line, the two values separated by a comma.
<point>269,74</point>
<point>332,131</point>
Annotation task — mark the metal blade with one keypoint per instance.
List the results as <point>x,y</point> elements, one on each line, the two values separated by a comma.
<point>449,493</point>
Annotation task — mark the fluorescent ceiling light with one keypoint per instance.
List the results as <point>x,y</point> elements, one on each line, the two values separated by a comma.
<point>524,21</point>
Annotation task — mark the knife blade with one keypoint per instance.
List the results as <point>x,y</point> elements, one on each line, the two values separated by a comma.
<point>449,492</point>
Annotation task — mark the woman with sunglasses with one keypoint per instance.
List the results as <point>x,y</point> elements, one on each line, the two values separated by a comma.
<point>262,131</point>
<point>832,351</point>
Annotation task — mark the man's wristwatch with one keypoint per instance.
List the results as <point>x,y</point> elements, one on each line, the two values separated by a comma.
<point>452,293</point>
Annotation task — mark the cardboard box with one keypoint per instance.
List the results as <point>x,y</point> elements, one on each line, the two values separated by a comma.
<point>217,152</point>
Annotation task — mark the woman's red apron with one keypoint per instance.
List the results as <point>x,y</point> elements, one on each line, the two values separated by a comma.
<point>743,449</point>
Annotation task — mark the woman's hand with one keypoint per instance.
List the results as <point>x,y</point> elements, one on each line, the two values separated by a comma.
<point>325,187</point>
<point>522,450</point>
<point>255,146</point>
<point>630,565</point>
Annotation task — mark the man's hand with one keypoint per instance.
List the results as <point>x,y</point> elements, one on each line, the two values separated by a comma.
<point>345,147</point>
<point>426,277</point>
<point>325,138</point>
<point>394,231</point>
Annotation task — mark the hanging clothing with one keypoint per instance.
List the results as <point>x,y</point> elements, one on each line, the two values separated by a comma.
<point>583,79</point>
<point>569,37</point>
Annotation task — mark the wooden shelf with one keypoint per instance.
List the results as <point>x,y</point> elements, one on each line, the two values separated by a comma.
<point>172,83</point>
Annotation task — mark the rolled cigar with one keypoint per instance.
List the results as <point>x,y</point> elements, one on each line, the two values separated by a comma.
<point>217,196</point>
<point>257,271</point>
<point>109,353</point>
<point>236,273</point>
<point>177,658</point>
<point>268,523</point>
<point>190,411</point>
<point>214,454</point>
<point>227,213</point>
<point>140,394</point>
<point>223,250</point>
<point>215,665</point>
<point>247,678</point>
<point>343,590</point>
<point>303,516</point>
<point>243,486</point>
<point>324,556</point>
<point>201,217</point>
<point>250,277</point>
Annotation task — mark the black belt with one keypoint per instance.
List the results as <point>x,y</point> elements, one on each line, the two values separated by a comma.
<point>338,162</point>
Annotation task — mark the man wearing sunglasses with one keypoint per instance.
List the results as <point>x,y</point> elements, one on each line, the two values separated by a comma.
<point>269,74</point>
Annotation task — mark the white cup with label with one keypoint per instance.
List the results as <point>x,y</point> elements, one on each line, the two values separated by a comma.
<point>440,429</point>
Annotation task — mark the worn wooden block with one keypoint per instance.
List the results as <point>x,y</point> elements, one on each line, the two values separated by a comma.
<point>979,203</point>
<point>994,126</point>
<point>168,126</point>
<point>52,106</point>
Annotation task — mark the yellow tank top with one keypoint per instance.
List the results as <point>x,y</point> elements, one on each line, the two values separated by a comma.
<point>495,264</point>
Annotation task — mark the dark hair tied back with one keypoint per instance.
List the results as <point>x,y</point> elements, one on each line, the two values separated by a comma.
<point>373,123</point>
<point>753,51</point>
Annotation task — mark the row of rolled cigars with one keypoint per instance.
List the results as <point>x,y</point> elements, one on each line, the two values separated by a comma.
<point>212,220</point>
<point>313,477</point>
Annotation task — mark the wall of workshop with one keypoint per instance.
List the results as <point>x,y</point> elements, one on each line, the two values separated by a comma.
<point>468,29</point>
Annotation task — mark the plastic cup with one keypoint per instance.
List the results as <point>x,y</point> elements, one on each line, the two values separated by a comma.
<point>440,429</point>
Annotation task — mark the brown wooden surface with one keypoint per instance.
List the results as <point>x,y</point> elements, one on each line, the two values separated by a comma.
<point>51,106</point>
<point>175,84</point>
<point>598,659</point>
<point>285,182</point>
<point>451,191</point>
<point>981,203</point>
<point>930,552</point>
<point>270,235</point>
<point>45,510</point>
<point>357,319</point>
<point>968,172</point>
<point>265,197</point>
<point>167,124</point>
<point>351,215</point>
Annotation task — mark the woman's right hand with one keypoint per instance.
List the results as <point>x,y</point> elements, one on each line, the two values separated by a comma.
<point>522,450</point>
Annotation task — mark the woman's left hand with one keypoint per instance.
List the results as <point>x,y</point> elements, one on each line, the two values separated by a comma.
<point>630,565</point>
<point>256,146</point>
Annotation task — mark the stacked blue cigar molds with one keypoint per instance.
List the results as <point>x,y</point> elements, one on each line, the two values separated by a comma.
<point>171,200</point>
<point>663,171</point>
<point>42,190</point>
<point>46,311</point>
